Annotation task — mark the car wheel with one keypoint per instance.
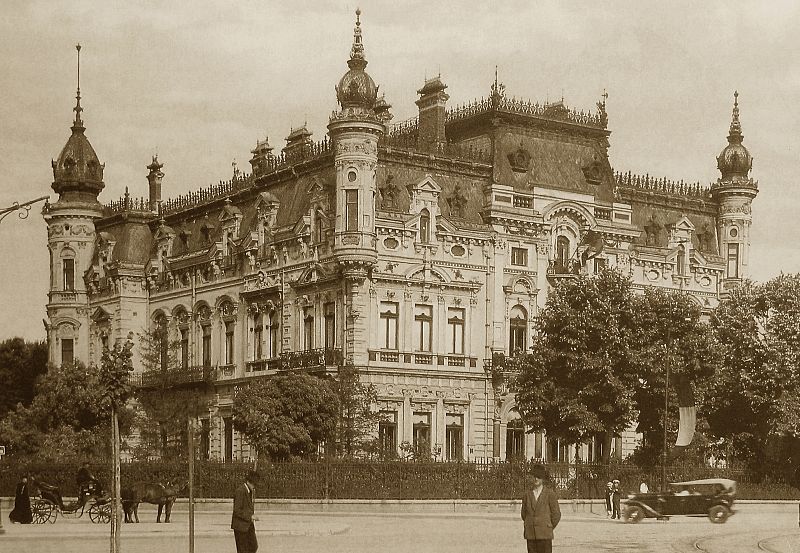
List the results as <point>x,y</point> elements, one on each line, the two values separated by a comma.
<point>634,514</point>
<point>718,514</point>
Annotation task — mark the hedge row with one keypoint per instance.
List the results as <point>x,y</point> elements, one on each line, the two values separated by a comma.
<point>387,480</point>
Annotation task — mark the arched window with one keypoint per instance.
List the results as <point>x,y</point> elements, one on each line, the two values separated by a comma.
<point>424,226</point>
<point>518,331</point>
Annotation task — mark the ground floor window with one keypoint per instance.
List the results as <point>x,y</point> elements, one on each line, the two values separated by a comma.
<point>228,423</point>
<point>515,440</point>
<point>387,432</point>
<point>454,437</point>
<point>422,432</point>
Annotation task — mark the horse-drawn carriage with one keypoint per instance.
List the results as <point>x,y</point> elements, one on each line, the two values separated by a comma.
<point>48,503</point>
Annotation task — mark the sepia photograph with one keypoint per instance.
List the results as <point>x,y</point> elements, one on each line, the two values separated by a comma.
<point>399,277</point>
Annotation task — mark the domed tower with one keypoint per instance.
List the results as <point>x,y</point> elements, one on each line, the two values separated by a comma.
<point>77,179</point>
<point>734,192</point>
<point>354,131</point>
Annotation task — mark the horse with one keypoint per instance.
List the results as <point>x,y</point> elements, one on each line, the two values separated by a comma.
<point>163,495</point>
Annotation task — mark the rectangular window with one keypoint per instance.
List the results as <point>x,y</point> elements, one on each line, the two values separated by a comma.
<point>205,439</point>
<point>329,309</point>
<point>423,326</point>
<point>515,440</point>
<point>308,330</point>
<point>454,437</point>
<point>258,337</point>
<point>184,348</point>
<point>228,422</point>
<point>351,210</point>
<point>69,274</point>
<point>389,321</point>
<point>455,325</point>
<point>206,346</point>
<point>519,256</point>
<point>387,432</point>
<point>600,264</point>
<point>274,326</point>
<point>422,432</point>
<point>230,327</point>
<point>733,260</point>
<point>67,351</point>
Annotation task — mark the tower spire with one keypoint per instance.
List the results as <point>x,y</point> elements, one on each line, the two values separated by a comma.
<point>357,59</point>
<point>78,123</point>
<point>735,133</point>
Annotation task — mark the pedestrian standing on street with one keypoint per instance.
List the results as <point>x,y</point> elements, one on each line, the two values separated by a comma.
<point>242,521</point>
<point>540,513</point>
<point>22,503</point>
<point>609,497</point>
<point>615,500</point>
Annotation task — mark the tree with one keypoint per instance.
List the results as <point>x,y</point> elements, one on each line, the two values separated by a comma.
<point>66,419</point>
<point>754,397</point>
<point>356,420</point>
<point>578,381</point>
<point>598,360</point>
<point>286,416</point>
<point>168,404</point>
<point>669,331</point>
<point>21,363</point>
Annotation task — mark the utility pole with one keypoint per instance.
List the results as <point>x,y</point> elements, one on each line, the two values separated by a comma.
<point>667,362</point>
<point>191,484</point>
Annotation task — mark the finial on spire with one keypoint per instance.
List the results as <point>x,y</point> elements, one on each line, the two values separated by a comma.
<point>357,59</point>
<point>735,133</point>
<point>78,124</point>
<point>498,89</point>
<point>601,109</point>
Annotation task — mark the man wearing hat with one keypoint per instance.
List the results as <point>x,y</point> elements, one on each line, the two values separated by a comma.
<point>540,513</point>
<point>244,530</point>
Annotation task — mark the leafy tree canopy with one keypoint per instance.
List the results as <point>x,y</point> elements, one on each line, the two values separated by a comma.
<point>286,416</point>
<point>357,419</point>
<point>68,416</point>
<point>598,358</point>
<point>21,363</point>
<point>755,395</point>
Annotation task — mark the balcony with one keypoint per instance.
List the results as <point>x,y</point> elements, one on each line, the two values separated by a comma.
<point>418,358</point>
<point>311,359</point>
<point>176,378</point>
<point>66,296</point>
<point>260,365</point>
<point>559,270</point>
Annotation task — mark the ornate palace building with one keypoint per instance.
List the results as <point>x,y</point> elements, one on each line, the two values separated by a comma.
<point>416,251</point>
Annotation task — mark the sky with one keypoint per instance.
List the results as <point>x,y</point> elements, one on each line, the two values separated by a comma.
<point>198,82</point>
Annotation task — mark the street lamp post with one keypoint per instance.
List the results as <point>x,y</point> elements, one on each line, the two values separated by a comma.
<point>22,209</point>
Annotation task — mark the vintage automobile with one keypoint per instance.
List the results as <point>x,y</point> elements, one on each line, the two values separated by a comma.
<point>711,497</point>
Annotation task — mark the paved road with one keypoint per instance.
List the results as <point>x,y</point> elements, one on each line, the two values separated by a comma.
<point>771,529</point>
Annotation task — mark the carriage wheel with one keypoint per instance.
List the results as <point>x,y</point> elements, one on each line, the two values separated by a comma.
<point>100,514</point>
<point>42,511</point>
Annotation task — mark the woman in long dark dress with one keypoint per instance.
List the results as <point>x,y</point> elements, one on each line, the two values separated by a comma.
<point>22,504</point>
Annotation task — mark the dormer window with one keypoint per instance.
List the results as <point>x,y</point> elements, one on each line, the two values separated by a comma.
<point>680,261</point>
<point>424,226</point>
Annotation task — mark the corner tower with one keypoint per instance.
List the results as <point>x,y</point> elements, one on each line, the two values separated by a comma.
<point>354,131</point>
<point>77,179</point>
<point>733,193</point>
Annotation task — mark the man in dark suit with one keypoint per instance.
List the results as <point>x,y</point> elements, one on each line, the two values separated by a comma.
<point>244,530</point>
<point>540,513</point>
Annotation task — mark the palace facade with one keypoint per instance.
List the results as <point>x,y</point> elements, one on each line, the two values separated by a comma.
<point>416,251</point>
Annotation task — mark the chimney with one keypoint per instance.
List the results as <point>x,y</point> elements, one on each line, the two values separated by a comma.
<point>154,178</point>
<point>262,157</point>
<point>298,144</point>
<point>432,104</point>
